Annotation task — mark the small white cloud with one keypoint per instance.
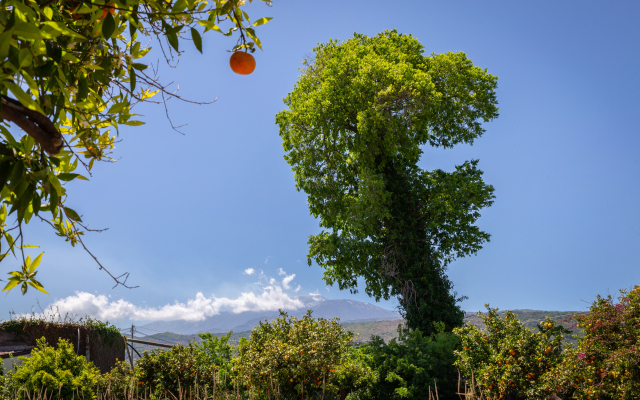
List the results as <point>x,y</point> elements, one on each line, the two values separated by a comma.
<point>327,287</point>
<point>287,280</point>
<point>298,289</point>
<point>249,271</point>
<point>281,271</point>
<point>266,260</point>
<point>272,281</point>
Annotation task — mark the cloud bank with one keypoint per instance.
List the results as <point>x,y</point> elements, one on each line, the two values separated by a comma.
<point>271,298</point>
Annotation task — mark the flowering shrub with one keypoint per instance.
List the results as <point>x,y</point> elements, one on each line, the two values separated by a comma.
<point>292,357</point>
<point>606,362</point>
<point>508,359</point>
<point>59,371</point>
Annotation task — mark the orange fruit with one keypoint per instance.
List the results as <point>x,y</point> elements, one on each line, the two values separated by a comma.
<point>104,12</point>
<point>242,63</point>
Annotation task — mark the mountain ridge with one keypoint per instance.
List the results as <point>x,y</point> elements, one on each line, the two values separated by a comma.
<point>345,310</point>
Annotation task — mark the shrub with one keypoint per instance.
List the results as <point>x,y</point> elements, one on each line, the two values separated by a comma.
<point>408,367</point>
<point>506,359</point>
<point>352,374</point>
<point>290,357</point>
<point>606,362</point>
<point>172,373</point>
<point>118,383</point>
<point>216,353</point>
<point>57,370</point>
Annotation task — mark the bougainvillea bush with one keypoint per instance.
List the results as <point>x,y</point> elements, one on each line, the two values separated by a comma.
<point>606,362</point>
<point>291,357</point>
<point>506,359</point>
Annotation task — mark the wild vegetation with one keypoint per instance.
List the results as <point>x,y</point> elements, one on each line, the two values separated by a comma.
<point>309,358</point>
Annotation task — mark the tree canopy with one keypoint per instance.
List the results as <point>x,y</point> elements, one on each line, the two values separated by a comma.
<point>353,133</point>
<point>72,71</point>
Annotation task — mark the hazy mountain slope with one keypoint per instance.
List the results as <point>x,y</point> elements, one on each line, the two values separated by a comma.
<point>346,310</point>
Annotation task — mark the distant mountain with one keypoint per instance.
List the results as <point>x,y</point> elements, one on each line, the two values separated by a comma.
<point>346,310</point>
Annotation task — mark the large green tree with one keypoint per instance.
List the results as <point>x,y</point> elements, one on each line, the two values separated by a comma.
<point>70,73</point>
<point>353,133</point>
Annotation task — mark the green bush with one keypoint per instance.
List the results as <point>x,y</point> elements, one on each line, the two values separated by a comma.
<point>353,374</point>
<point>57,370</point>
<point>606,362</point>
<point>175,372</point>
<point>412,365</point>
<point>506,359</point>
<point>290,357</point>
<point>216,353</point>
<point>117,383</point>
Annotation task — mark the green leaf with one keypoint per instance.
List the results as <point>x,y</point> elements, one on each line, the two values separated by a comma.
<point>132,80</point>
<point>68,176</point>
<point>27,30</point>
<point>24,57</point>
<point>35,263</point>
<point>22,97</point>
<point>139,66</point>
<point>83,88</point>
<point>36,285</point>
<point>24,246</point>
<point>5,42</point>
<point>117,107</point>
<point>197,40</point>
<point>60,27</point>
<point>6,167</point>
<point>108,26</point>
<point>261,21</point>
<point>11,284</point>
<point>53,198</point>
<point>71,214</point>
<point>133,123</point>
<point>17,174</point>
<point>173,40</point>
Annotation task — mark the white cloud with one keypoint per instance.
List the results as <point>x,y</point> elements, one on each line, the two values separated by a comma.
<point>266,260</point>
<point>298,289</point>
<point>249,271</point>
<point>100,307</point>
<point>281,271</point>
<point>287,280</point>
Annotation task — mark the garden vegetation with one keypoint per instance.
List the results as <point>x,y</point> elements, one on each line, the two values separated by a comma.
<point>307,358</point>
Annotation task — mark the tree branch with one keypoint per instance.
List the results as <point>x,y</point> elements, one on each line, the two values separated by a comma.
<point>36,125</point>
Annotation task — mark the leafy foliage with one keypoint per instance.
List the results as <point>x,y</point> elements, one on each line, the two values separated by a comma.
<point>353,132</point>
<point>58,370</point>
<point>412,365</point>
<point>508,359</point>
<point>173,372</point>
<point>117,383</point>
<point>291,356</point>
<point>606,362</point>
<point>76,69</point>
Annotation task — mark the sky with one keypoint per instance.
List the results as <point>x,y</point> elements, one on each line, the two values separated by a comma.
<point>211,220</point>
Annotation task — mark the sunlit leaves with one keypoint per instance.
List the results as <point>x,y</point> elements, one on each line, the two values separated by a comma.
<point>26,277</point>
<point>81,66</point>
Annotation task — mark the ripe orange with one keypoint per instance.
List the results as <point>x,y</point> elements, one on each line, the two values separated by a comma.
<point>242,63</point>
<point>104,11</point>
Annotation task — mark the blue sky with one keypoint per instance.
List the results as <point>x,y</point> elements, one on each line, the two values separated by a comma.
<point>189,214</point>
